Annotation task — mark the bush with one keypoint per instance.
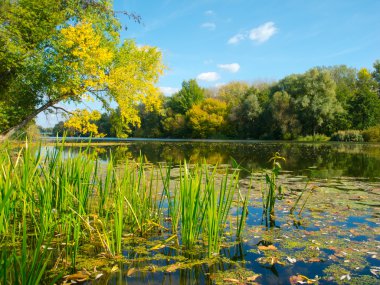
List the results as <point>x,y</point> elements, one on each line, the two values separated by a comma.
<point>347,136</point>
<point>315,138</point>
<point>372,134</point>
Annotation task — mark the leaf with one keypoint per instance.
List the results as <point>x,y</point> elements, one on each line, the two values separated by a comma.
<point>77,276</point>
<point>231,280</point>
<point>269,247</point>
<point>315,259</point>
<point>115,269</point>
<point>253,278</point>
<point>295,279</point>
<point>173,267</point>
<point>291,260</point>
<point>98,276</point>
<point>131,271</point>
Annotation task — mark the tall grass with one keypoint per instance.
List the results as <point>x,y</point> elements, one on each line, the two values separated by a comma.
<point>53,202</point>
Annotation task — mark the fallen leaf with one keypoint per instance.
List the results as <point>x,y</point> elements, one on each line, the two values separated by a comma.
<point>99,275</point>
<point>291,260</point>
<point>173,267</point>
<point>77,276</point>
<point>131,271</point>
<point>114,269</point>
<point>269,247</point>
<point>253,278</point>
<point>295,279</point>
<point>231,280</point>
<point>315,259</point>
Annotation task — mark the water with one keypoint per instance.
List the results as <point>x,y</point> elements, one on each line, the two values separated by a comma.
<point>336,235</point>
<point>320,160</point>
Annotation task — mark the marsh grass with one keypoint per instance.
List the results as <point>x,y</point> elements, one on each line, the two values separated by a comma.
<point>54,203</point>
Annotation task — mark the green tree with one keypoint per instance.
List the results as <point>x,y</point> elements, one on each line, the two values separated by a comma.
<point>314,97</point>
<point>283,117</point>
<point>190,94</point>
<point>69,51</point>
<point>365,105</point>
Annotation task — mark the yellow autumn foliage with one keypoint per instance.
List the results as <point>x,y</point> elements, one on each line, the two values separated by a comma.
<point>82,121</point>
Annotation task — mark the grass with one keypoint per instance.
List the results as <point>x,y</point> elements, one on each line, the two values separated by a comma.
<point>54,203</point>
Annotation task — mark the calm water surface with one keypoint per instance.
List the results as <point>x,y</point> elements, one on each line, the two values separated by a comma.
<point>340,223</point>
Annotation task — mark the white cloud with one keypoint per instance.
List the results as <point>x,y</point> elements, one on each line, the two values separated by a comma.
<point>259,34</point>
<point>209,13</point>
<point>237,38</point>
<point>208,76</point>
<point>209,26</point>
<point>232,67</point>
<point>263,33</point>
<point>168,91</point>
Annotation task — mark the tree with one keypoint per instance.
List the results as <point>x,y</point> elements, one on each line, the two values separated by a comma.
<point>83,121</point>
<point>190,94</point>
<point>284,123</point>
<point>315,98</point>
<point>376,75</point>
<point>68,51</point>
<point>207,119</point>
<point>233,93</point>
<point>365,105</point>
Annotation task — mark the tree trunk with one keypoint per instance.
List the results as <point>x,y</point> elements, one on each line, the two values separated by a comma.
<point>26,120</point>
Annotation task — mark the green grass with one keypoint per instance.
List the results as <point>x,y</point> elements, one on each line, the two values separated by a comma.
<point>54,203</point>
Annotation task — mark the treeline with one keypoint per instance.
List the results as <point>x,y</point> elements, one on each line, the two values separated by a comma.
<point>317,103</point>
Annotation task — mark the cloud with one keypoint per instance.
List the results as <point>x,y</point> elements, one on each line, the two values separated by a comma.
<point>259,34</point>
<point>209,13</point>
<point>209,26</point>
<point>208,76</point>
<point>263,33</point>
<point>236,38</point>
<point>168,91</point>
<point>232,67</point>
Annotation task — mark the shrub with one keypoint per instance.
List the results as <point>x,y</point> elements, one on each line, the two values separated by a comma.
<point>347,136</point>
<point>372,134</point>
<point>315,138</point>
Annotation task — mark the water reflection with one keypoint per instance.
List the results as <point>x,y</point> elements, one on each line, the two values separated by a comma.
<point>324,160</point>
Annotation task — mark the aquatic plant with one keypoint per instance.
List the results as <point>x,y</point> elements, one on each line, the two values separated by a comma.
<point>273,191</point>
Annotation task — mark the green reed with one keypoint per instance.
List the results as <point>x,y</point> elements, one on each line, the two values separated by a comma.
<point>52,203</point>
<point>273,191</point>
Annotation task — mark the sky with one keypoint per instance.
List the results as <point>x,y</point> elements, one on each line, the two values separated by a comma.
<point>218,41</point>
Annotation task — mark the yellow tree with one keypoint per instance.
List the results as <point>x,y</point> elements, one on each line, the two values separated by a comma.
<point>208,118</point>
<point>80,58</point>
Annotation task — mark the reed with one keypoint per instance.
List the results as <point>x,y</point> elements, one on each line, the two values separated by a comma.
<point>273,191</point>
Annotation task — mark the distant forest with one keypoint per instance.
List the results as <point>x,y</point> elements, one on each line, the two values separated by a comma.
<point>335,102</point>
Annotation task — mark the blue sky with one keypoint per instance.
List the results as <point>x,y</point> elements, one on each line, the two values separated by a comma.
<point>217,41</point>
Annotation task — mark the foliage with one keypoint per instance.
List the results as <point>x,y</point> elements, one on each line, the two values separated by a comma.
<point>69,51</point>
<point>372,134</point>
<point>190,94</point>
<point>82,121</point>
<point>347,136</point>
<point>314,138</point>
<point>365,105</point>
<point>208,118</point>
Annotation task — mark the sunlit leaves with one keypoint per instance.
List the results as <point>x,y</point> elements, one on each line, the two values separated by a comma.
<point>82,121</point>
